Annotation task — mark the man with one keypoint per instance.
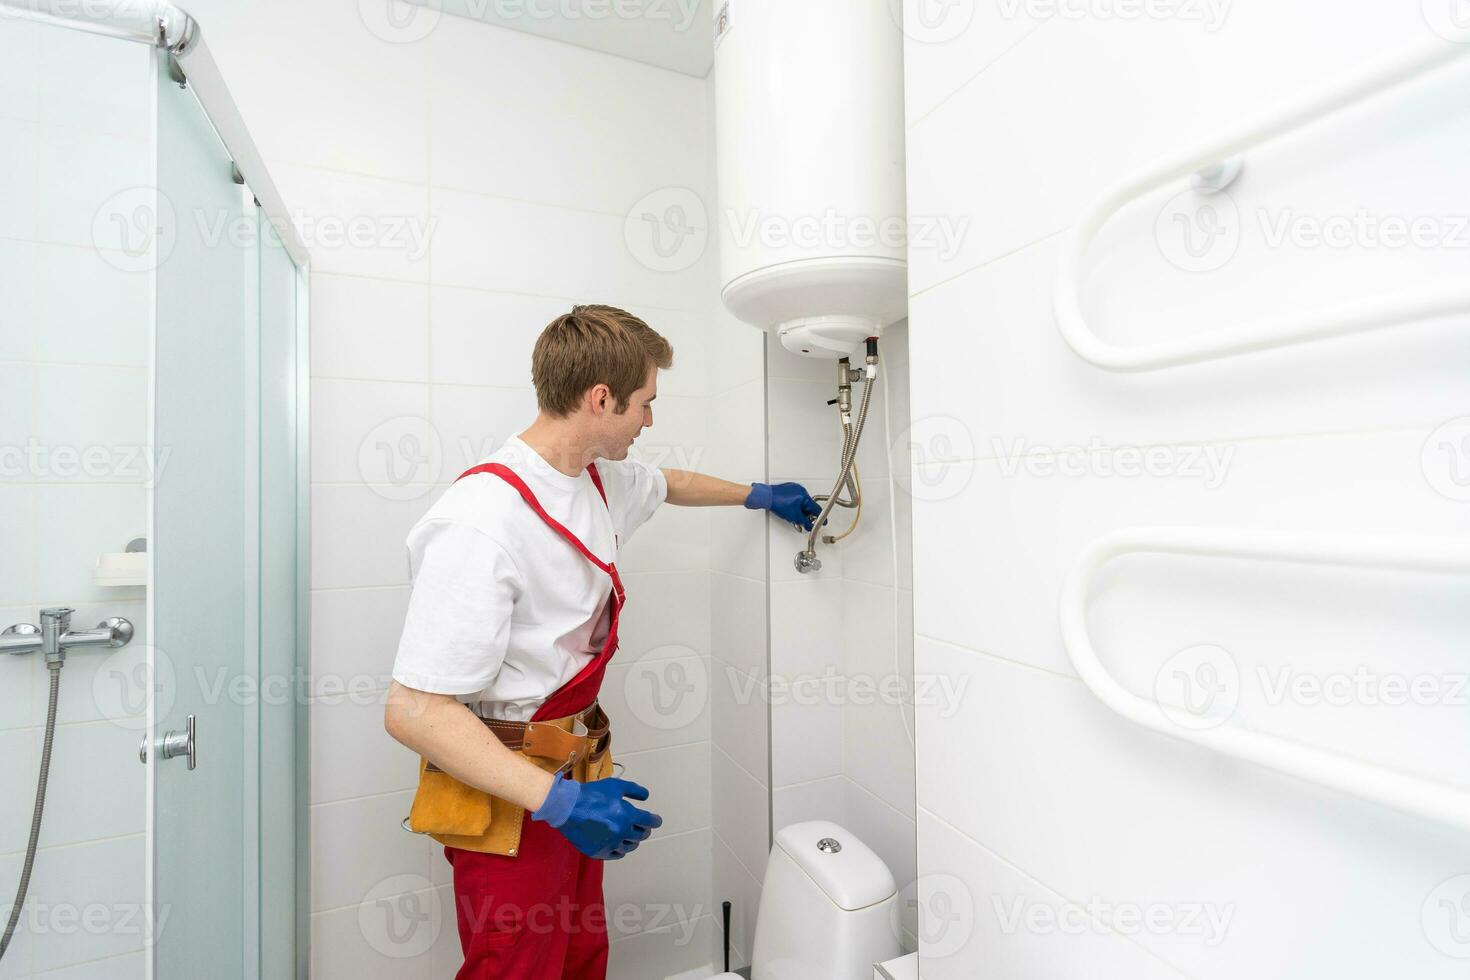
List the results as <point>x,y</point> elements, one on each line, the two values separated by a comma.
<point>513,619</point>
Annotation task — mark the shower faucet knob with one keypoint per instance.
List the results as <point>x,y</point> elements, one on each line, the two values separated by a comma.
<point>58,615</point>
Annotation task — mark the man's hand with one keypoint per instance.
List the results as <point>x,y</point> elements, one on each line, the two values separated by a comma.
<point>788,501</point>
<point>597,817</point>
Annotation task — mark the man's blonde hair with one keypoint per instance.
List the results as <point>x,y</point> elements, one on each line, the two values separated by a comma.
<point>594,345</point>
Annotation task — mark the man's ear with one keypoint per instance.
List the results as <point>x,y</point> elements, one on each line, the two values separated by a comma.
<point>598,397</point>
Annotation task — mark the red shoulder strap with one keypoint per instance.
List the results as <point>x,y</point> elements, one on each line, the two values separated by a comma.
<point>597,481</point>
<point>509,476</point>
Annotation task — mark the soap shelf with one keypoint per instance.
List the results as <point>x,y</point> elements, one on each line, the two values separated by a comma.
<point>125,568</point>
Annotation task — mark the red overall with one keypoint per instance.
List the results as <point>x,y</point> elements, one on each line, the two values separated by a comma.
<point>539,915</point>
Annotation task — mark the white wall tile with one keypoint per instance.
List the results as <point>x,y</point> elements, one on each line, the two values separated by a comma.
<point>106,323</point>
<point>356,845</point>
<point>101,765</point>
<point>107,876</point>
<point>485,338</point>
<point>664,884</point>
<point>734,884</point>
<point>351,754</point>
<point>497,243</point>
<point>657,702</point>
<point>19,277</point>
<point>343,557</point>
<point>969,897</point>
<point>369,328</point>
<point>948,46</point>
<point>75,196</point>
<point>622,129</point>
<point>891,835</point>
<point>354,636</point>
<point>339,946</point>
<point>18,169</point>
<point>84,521</point>
<point>737,548</point>
<point>678,782</point>
<point>819,799</point>
<point>125,967</point>
<point>740,712</point>
<point>738,623</point>
<point>742,808</point>
<point>357,225</point>
<point>1367,483</point>
<point>737,447</point>
<point>358,428</point>
<point>668,614</point>
<point>674,538</point>
<point>1066,142</point>
<point>20,76</point>
<point>19,756</point>
<point>675,951</point>
<point>1100,808</point>
<point>470,423</point>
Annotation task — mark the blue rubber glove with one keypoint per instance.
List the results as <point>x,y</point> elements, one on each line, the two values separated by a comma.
<point>596,818</point>
<point>788,501</point>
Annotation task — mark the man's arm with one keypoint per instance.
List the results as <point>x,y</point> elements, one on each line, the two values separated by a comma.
<point>688,489</point>
<point>788,501</point>
<point>442,730</point>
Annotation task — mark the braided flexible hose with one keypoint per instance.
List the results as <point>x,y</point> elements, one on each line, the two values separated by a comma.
<point>25,874</point>
<point>848,455</point>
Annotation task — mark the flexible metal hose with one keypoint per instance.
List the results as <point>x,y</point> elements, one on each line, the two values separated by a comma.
<point>848,455</point>
<point>25,874</point>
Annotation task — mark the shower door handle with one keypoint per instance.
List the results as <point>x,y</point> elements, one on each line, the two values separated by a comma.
<point>171,745</point>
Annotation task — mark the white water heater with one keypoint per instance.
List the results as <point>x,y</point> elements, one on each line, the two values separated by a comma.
<point>810,150</point>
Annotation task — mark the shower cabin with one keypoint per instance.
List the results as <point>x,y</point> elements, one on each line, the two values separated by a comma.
<point>153,509</point>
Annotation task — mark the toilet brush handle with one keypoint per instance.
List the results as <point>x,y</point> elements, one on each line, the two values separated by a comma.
<point>727,936</point>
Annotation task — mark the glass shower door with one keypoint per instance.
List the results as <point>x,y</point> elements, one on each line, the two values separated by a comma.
<point>224,543</point>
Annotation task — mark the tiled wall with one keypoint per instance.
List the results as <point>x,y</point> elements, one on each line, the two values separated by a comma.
<point>519,162</point>
<point>74,333</point>
<point>1056,838</point>
<point>841,729</point>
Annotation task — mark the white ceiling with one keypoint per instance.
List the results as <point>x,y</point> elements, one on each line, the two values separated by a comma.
<point>673,34</point>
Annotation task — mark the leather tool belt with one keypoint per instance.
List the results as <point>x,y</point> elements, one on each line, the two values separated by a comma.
<point>458,815</point>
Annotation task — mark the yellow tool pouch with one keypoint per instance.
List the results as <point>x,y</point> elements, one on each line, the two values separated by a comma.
<point>457,815</point>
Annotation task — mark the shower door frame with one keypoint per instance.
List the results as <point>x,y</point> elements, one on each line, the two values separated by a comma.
<point>166,27</point>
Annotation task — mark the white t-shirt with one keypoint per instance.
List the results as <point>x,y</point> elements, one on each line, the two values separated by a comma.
<point>504,610</point>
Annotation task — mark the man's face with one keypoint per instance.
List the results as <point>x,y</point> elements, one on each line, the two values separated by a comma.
<point>623,428</point>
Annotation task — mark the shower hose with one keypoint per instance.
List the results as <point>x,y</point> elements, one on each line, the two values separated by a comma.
<point>25,874</point>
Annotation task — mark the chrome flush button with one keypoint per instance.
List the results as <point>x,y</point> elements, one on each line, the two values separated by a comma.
<point>829,846</point>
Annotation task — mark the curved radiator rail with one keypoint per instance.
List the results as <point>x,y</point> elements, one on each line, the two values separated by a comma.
<point>1273,331</point>
<point>1402,791</point>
